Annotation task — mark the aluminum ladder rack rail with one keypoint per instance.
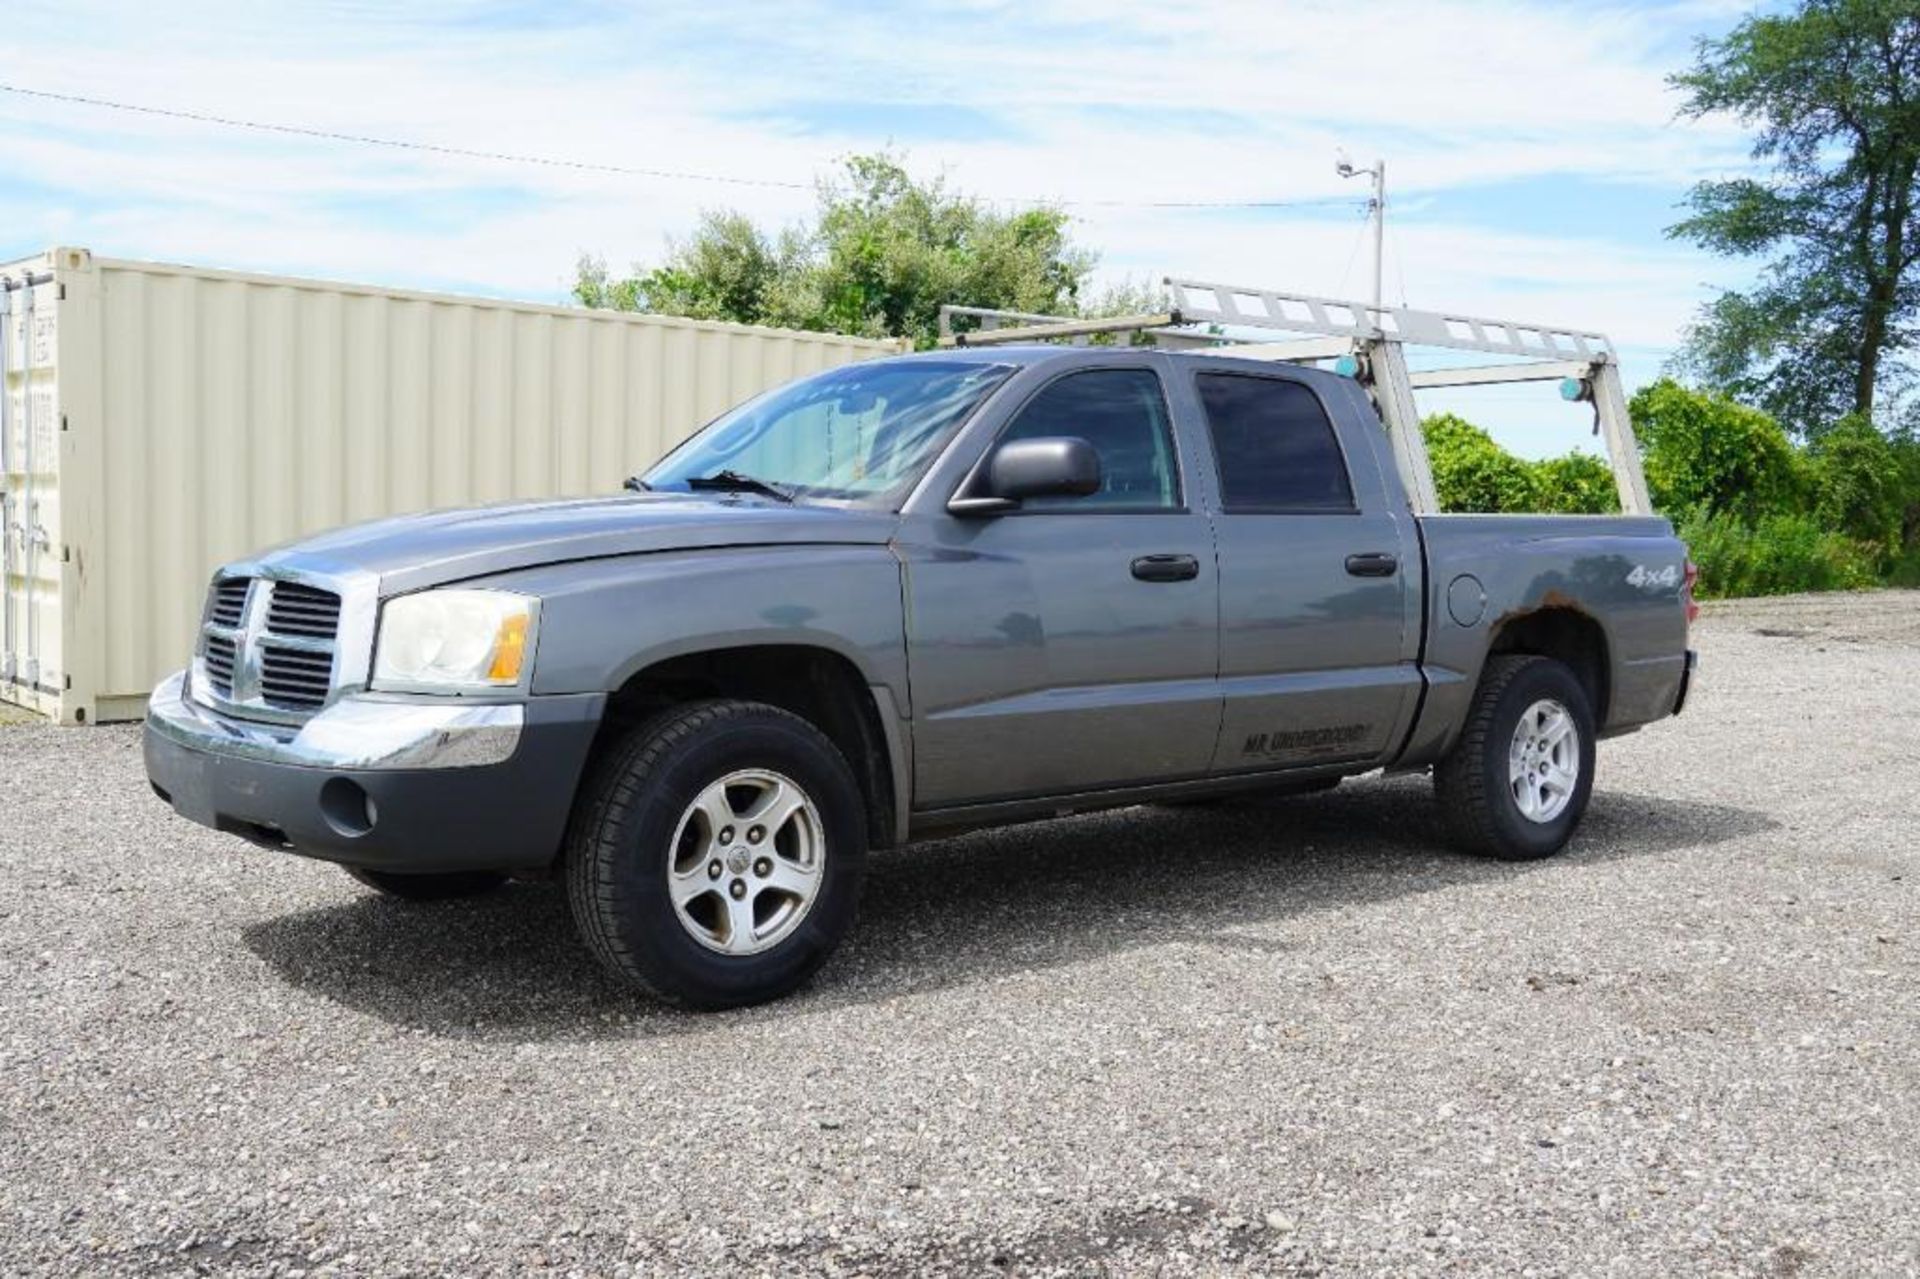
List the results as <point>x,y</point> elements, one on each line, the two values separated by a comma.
<point>1246,322</point>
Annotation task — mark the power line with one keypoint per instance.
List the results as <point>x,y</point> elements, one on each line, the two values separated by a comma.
<point>590,166</point>
<point>329,135</point>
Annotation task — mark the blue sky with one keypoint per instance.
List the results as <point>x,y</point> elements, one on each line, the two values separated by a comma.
<point>1532,148</point>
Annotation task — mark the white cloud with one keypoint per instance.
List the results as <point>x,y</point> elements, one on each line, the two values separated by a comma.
<point>1222,100</point>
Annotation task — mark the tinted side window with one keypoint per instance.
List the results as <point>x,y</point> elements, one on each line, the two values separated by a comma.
<point>1274,446</point>
<point>1123,414</point>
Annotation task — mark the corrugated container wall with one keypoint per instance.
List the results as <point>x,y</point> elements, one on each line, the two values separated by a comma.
<point>161,420</point>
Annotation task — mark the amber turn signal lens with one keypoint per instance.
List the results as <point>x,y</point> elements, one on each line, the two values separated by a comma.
<point>509,650</point>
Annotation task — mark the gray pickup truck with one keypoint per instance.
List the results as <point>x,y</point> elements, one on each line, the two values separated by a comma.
<point>897,599</point>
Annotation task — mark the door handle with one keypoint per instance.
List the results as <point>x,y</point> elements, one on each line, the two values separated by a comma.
<point>1372,564</point>
<point>1166,568</point>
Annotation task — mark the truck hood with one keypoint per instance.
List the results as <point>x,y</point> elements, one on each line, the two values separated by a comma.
<point>409,552</point>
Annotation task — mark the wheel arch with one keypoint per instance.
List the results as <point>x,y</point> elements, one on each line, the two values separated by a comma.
<point>1567,634</point>
<point>819,684</point>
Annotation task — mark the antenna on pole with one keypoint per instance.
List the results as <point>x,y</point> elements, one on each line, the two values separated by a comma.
<point>1377,208</point>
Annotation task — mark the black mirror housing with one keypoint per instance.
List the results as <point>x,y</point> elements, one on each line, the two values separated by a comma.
<point>1059,466</point>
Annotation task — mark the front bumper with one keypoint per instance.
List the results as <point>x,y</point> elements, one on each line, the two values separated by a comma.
<point>408,784</point>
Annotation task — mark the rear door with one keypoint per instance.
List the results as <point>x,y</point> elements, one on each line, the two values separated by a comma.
<point>1317,646</point>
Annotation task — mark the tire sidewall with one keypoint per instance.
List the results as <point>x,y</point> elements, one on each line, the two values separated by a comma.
<point>1520,834</point>
<point>649,925</point>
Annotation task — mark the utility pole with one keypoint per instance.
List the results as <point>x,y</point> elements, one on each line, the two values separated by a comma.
<point>1377,209</point>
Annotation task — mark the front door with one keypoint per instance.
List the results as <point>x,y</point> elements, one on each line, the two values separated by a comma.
<point>1069,645</point>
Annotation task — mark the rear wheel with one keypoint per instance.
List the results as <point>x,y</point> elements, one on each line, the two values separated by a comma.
<point>1516,784</point>
<point>715,858</point>
<point>429,888</point>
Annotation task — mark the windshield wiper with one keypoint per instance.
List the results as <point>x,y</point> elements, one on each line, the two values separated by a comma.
<point>634,484</point>
<point>731,481</point>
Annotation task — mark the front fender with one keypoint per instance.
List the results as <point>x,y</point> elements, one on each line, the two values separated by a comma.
<point>602,621</point>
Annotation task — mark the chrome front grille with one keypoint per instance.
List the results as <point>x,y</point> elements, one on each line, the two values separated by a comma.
<point>294,679</point>
<point>298,609</point>
<point>268,647</point>
<point>219,658</point>
<point>227,604</point>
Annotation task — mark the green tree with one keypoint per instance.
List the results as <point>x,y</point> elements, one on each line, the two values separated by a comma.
<point>1704,452</point>
<point>883,254</point>
<point>1833,89</point>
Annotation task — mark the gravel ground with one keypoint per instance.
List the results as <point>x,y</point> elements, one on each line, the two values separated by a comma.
<point>1292,1038</point>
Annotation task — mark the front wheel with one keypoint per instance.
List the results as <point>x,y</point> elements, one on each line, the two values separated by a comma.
<point>1517,782</point>
<point>715,858</point>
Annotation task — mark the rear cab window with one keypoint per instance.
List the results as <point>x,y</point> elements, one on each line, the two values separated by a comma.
<point>1274,446</point>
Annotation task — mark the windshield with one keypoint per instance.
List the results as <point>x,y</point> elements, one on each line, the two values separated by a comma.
<point>853,432</point>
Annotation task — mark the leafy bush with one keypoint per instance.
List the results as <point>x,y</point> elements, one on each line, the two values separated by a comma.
<point>1774,555</point>
<point>1472,473</point>
<point>1704,452</point>
<point>1759,516</point>
<point>1905,445</point>
<point>1905,571</point>
<point>1577,484</point>
<point>1856,483</point>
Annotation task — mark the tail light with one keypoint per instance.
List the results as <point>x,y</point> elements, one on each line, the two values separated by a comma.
<point>1691,575</point>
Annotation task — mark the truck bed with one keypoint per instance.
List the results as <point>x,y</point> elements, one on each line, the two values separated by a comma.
<point>1618,578</point>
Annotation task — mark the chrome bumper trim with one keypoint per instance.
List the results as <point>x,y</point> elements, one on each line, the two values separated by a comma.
<point>355,732</point>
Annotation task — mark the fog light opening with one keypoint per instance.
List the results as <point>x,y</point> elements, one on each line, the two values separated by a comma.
<point>347,807</point>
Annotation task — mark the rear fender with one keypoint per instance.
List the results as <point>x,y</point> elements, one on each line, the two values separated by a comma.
<point>1563,586</point>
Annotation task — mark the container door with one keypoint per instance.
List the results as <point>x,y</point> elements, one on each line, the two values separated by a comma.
<point>30,667</point>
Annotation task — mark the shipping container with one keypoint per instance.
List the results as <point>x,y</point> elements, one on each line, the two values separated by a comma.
<point>160,420</point>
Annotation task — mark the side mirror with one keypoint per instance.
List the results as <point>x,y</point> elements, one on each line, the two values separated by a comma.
<point>1059,466</point>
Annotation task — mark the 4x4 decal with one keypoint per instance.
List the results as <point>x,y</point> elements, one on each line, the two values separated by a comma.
<point>1648,579</point>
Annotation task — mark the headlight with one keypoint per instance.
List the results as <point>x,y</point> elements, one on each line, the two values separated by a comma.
<point>453,640</point>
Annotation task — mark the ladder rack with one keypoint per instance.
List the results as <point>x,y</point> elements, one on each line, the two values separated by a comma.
<point>1369,342</point>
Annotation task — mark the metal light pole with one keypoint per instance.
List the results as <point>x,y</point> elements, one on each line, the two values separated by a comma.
<point>1377,207</point>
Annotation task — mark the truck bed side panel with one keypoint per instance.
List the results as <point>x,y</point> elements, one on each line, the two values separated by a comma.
<point>1622,573</point>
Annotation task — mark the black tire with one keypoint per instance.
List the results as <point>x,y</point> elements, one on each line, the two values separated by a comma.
<point>1474,783</point>
<point>620,847</point>
<point>429,888</point>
